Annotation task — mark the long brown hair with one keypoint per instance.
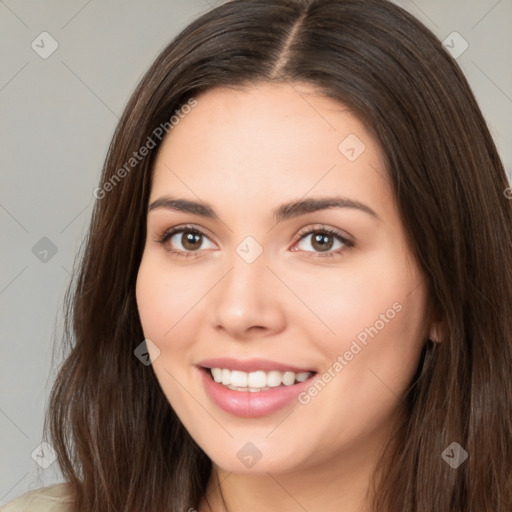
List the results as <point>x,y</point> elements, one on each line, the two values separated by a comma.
<point>118,440</point>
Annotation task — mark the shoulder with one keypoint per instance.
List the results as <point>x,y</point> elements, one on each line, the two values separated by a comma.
<point>54,498</point>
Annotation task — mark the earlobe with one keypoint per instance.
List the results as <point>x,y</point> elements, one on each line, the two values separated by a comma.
<point>435,332</point>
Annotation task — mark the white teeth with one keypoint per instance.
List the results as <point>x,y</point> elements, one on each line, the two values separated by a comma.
<point>239,379</point>
<point>255,379</point>
<point>217,374</point>
<point>258,380</point>
<point>273,379</point>
<point>288,378</point>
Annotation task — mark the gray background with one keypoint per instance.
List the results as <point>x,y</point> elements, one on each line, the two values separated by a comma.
<point>57,116</point>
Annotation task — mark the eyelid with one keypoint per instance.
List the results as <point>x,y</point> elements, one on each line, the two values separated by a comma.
<point>343,236</point>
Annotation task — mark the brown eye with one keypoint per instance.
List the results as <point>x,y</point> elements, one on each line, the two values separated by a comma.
<point>326,242</point>
<point>184,241</point>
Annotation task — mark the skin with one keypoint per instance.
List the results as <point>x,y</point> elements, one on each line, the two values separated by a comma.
<point>245,153</point>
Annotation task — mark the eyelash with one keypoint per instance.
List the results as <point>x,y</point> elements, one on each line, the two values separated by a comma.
<point>348,244</point>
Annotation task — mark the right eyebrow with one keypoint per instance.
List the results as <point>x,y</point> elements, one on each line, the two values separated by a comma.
<point>184,205</point>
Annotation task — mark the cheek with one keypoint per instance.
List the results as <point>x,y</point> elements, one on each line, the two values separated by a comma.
<point>165,303</point>
<point>370,361</point>
<point>376,317</point>
<point>154,301</point>
<point>165,298</point>
<point>350,299</point>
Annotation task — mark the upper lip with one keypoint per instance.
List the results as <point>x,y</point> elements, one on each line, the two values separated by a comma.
<point>251,365</point>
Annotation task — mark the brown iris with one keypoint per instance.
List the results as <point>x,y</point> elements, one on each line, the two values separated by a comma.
<point>322,240</point>
<point>190,240</point>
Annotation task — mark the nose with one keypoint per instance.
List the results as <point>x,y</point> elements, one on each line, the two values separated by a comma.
<point>248,300</point>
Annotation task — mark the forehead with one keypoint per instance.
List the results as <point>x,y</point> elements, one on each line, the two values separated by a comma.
<point>252,148</point>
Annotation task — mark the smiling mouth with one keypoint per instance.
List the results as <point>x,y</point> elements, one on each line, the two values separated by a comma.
<point>258,380</point>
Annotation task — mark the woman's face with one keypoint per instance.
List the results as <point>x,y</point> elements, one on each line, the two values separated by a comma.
<point>348,305</point>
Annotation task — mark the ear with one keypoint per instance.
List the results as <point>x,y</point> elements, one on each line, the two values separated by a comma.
<point>435,332</point>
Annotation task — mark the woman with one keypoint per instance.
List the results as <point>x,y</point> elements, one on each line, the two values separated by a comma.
<point>295,289</point>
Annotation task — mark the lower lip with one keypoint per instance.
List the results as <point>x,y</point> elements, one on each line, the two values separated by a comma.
<point>249,404</point>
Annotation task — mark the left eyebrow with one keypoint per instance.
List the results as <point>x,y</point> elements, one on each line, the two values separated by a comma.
<point>283,212</point>
<point>301,207</point>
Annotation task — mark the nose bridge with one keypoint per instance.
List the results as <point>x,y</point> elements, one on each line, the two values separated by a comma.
<point>245,297</point>
<point>242,281</point>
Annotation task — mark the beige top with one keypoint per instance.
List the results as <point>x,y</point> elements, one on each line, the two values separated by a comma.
<point>54,498</point>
